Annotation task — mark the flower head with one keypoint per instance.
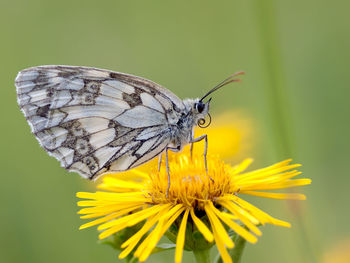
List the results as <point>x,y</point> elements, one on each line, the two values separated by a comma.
<point>210,202</point>
<point>339,252</point>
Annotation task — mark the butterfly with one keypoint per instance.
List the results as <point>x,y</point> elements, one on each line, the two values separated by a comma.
<point>96,121</point>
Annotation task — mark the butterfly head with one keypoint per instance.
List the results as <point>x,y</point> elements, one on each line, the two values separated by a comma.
<point>200,111</point>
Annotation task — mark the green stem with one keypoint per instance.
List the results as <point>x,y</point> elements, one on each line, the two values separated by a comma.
<point>202,256</point>
<point>236,253</point>
<point>267,23</point>
<point>276,81</point>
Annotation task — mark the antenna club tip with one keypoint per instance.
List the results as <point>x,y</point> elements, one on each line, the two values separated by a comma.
<point>239,73</point>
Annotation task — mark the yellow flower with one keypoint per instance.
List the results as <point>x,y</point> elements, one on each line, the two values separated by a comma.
<point>192,194</point>
<point>338,252</point>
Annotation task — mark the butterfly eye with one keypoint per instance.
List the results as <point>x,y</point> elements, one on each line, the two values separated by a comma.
<point>200,107</point>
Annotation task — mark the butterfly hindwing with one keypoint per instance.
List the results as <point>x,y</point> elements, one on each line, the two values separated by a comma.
<point>95,121</point>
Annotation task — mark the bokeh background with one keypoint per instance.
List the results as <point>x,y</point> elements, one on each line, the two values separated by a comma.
<point>295,93</point>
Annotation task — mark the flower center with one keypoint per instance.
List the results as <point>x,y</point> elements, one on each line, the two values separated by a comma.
<point>189,183</point>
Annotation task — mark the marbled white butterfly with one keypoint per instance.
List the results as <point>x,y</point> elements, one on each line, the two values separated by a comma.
<point>96,121</point>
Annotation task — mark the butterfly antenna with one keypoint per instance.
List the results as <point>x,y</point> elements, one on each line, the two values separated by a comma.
<point>224,83</point>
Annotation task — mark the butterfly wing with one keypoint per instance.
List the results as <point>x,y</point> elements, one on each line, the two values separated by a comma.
<point>95,121</point>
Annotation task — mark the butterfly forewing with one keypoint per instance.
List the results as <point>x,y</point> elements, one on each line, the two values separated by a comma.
<point>95,121</point>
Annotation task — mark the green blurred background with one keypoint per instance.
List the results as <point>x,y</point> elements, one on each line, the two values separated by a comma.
<point>296,91</point>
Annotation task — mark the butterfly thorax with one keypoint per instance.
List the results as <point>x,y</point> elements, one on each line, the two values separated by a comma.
<point>182,131</point>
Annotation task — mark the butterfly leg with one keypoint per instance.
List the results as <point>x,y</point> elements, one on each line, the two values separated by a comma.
<point>198,139</point>
<point>167,171</point>
<point>174,149</point>
<point>191,147</point>
<point>191,151</point>
<point>159,161</point>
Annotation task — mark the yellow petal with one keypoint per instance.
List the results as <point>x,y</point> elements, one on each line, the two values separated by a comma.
<point>171,216</point>
<point>146,247</point>
<point>235,227</point>
<point>220,228</point>
<point>135,217</point>
<point>131,243</point>
<point>245,217</point>
<point>242,166</point>
<point>202,227</point>
<point>180,240</point>
<point>262,216</point>
<point>109,217</point>
<point>121,223</point>
<point>290,196</point>
<point>154,237</point>
<point>107,209</point>
<point>220,245</point>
